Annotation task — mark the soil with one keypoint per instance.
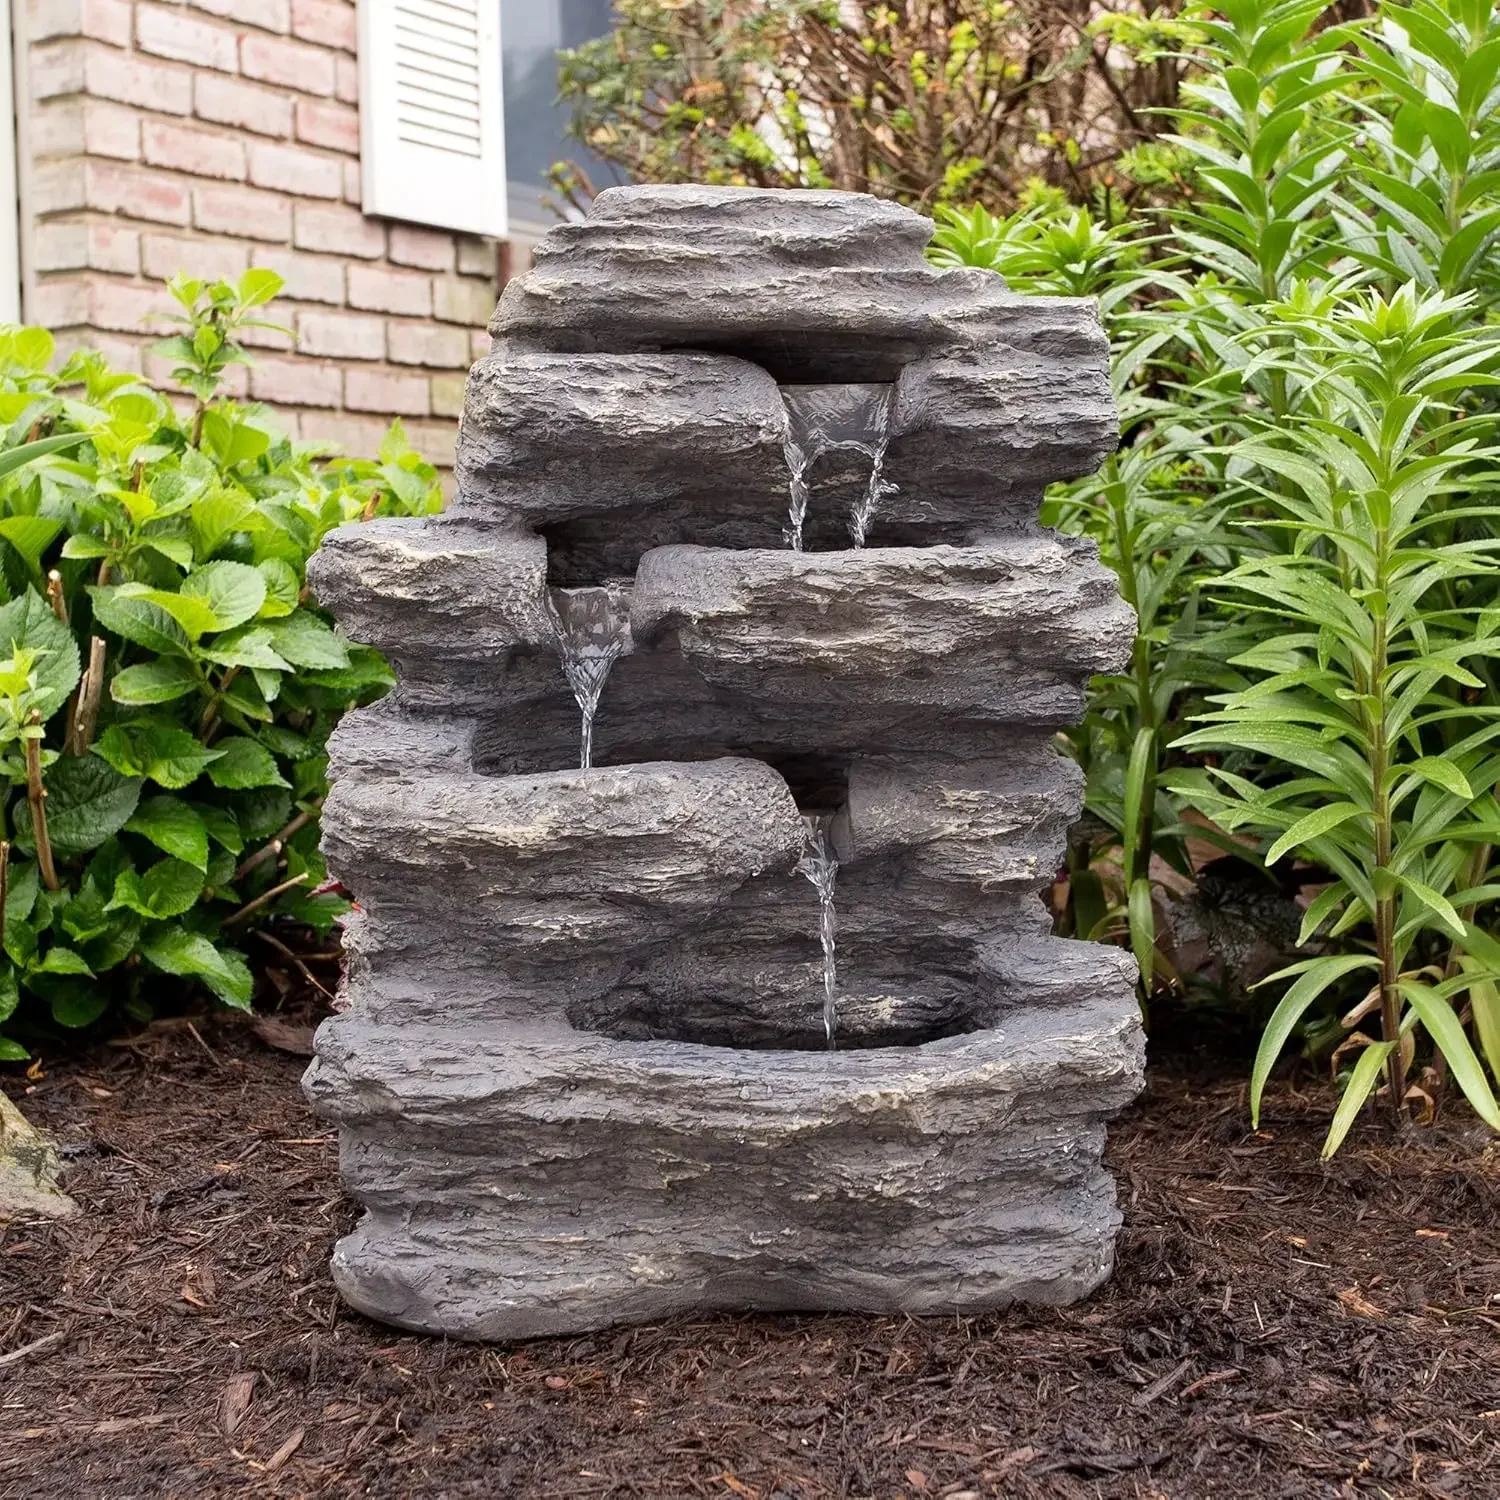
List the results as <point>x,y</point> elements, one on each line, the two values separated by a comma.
<point>1275,1328</point>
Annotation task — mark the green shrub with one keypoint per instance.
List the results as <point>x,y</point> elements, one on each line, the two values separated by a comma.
<point>1299,512</point>
<point>166,687</point>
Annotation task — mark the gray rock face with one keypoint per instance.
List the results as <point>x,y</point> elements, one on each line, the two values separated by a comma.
<point>584,1076</point>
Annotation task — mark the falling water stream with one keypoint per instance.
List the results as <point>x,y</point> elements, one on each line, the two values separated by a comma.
<point>819,866</point>
<point>592,630</point>
<point>825,418</point>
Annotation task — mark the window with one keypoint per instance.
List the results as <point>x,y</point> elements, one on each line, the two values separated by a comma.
<point>536,125</point>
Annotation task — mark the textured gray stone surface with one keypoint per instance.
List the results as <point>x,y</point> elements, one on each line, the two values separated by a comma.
<point>583,1077</point>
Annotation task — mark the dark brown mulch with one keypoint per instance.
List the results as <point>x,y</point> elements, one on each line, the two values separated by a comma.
<point>1275,1328</point>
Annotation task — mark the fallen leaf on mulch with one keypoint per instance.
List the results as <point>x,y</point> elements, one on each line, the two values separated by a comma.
<point>283,1036</point>
<point>235,1402</point>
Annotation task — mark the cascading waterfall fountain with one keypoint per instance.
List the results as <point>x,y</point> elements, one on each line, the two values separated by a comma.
<point>820,866</point>
<point>593,633</point>
<point>581,1078</point>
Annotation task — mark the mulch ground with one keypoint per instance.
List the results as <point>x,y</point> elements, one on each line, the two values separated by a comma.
<point>1275,1328</point>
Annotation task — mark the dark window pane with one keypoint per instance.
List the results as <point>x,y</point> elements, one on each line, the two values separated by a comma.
<point>531,31</point>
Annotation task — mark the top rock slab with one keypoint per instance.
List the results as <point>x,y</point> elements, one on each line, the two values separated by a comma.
<point>813,286</point>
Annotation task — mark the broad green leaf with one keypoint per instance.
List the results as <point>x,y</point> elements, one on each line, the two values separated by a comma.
<point>160,681</point>
<point>87,801</point>
<point>140,621</point>
<point>244,764</point>
<point>283,588</point>
<point>30,536</point>
<point>248,646</point>
<point>171,757</point>
<point>10,993</point>
<point>305,641</point>
<point>76,1005</point>
<point>195,616</point>
<point>169,888</point>
<point>221,826</point>
<point>21,889</point>
<point>233,592</point>
<point>174,827</point>
<point>28,623</point>
<point>186,954</point>
<point>1315,976</point>
<point>12,1051</point>
<point>216,516</point>
<point>59,960</point>
<point>1362,1080</point>
<point>1313,825</point>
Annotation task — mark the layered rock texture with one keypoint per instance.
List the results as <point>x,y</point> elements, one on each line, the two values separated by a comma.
<point>585,1075</point>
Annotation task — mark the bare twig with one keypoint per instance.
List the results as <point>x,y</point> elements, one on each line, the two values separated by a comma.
<point>36,1346</point>
<point>278,843</point>
<point>4,886</point>
<point>36,795</point>
<point>296,961</point>
<point>55,596</point>
<point>83,713</point>
<point>264,898</point>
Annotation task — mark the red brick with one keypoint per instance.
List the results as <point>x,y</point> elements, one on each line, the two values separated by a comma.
<point>457,299</point>
<point>57,186</point>
<point>59,302</point>
<point>341,336</point>
<point>387,393</point>
<point>293,65</point>
<point>479,258</point>
<point>297,382</point>
<point>243,211</point>
<point>353,184</point>
<point>435,441</point>
<point>346,80</point>
<point>164,255</point>
<point>291,169</point>
<point>93,244</point>
<point>129,79</point>
<point>382,289</point>
<point>309,278</point>
<point>359,437</point>
<point>447,395</point>
<point>80,126</point>
<point>174,34</point>
<point>428,344</point>
<point>135,193</point>
<point>321,123</point>
<point>120,353</point>
<point>56,69</point>
<point>337,231</point>
<point>269,15</point>
<point>227,101</point>
<point>479,343</point>
<point>279,338</point>
<point>329,23</point>
<point>129,307</point>
<point>203,153</point>
<point>104,20</point>
<point>428,248</point>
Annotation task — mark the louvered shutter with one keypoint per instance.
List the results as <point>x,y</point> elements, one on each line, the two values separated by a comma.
<point>431,134</point>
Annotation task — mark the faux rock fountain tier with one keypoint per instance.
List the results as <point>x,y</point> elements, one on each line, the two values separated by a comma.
<point>758,1007</point>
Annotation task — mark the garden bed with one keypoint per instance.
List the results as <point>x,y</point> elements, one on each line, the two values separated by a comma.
<point>1275,1328</point>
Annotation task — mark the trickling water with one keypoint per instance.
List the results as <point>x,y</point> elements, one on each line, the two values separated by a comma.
<point>592,629</point>
<point>825,418</point>
<point>819,866</point>
<point>797,463</point>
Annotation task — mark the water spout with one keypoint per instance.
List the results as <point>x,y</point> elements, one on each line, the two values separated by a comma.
<point>819,866</point>
<point>592,632</point>
<point>828,418</point>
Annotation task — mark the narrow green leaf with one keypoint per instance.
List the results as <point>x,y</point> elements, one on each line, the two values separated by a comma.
<point>1312,825</point>
<point>1362,1080</point>
<point>1442,1025</point>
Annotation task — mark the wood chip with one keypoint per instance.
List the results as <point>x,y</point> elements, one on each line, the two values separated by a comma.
<point>1160,1387</point>
<point>285,1451</point>
<point>283,1036</point>
<point>36,1346</point>
<point>235,1402</point>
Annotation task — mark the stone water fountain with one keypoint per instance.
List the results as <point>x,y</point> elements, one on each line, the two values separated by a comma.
<point>758,1007</point>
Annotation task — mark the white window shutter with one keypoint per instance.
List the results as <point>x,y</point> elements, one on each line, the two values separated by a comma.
<point>432,143</point>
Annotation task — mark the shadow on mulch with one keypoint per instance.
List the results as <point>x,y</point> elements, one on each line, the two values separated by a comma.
<point>1275,1328</point>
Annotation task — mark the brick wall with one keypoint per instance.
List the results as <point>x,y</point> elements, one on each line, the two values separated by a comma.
<point>209,135</point>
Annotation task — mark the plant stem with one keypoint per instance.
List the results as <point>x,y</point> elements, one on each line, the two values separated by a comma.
<point>4,886</point>
<point>277,844</point>
<point>265,897</point>
<point>55,595</point>
<point>83,711</point>
<point>36,795</point>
